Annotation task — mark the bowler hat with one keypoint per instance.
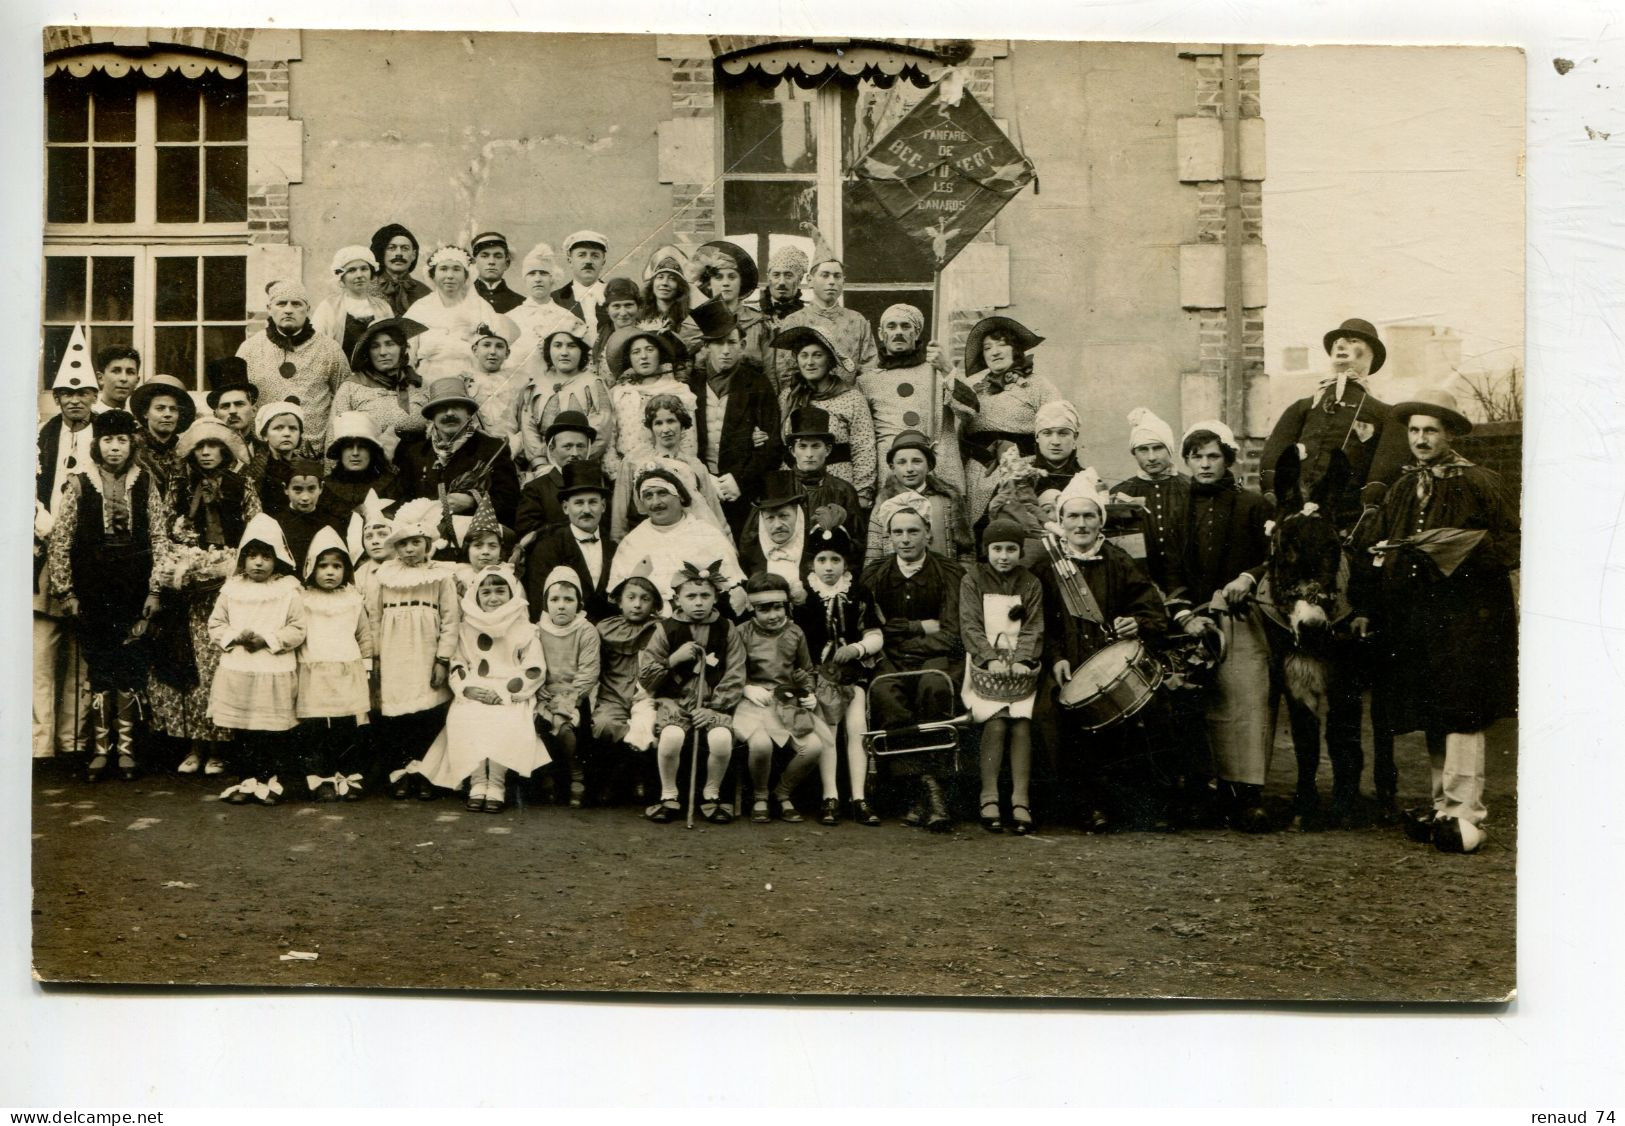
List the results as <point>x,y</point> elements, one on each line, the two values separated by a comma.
<point>1025,338</point>
<point>913,440</point>
<point>1435,403</point>
<point>1360,330</point>
<point>569,420</point>
<point>141,398</point>
<point>583,477</point>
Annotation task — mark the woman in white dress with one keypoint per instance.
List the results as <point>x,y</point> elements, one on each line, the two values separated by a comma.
<point>451,316</point>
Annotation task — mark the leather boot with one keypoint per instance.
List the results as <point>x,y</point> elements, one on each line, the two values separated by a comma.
<point>936,806</point>
<point>101,734</point>
<point>1247,812</point>
<point>127,769</point>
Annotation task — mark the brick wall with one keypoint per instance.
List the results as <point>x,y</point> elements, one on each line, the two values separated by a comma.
<point>1497,446</point>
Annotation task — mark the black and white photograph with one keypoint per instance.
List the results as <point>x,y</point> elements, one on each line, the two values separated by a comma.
<point>655,543</point>
<point>581,517</point>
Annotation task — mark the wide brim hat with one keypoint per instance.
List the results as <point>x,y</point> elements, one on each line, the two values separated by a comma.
<point>743,262</point>
<point>141,398</point>
<point>1025,337</point>
<point>569,420</point>
<point>913,440</point>
<point>228,373</point>
<point>779,488</point>
<point>714,320</point>
<point>407,327</point>
<point>620,341</point>
<point>209,428</point>
<point>797,337</point>
<point>446,391</point>
<point>1437,404</point>
<point>810,422</point>
<point>583,477</point>
<point>354,426</point>
<point>1361,330</point>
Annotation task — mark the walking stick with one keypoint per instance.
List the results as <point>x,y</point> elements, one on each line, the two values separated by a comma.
<point>694,758</point>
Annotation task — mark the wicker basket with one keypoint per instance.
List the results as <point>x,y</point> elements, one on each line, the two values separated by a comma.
<point>1002,687</point>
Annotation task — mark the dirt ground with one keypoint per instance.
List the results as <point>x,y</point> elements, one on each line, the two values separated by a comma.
<point>156,881</point>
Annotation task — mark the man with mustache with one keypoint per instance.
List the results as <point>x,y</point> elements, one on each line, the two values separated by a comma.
<point>900,392</point>
<point>395,249</point>
<point>1440,582</point>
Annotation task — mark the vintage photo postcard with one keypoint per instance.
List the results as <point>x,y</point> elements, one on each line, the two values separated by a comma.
<point>822,516</point>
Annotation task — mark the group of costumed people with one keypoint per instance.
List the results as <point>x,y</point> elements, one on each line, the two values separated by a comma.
<point>431,537</point>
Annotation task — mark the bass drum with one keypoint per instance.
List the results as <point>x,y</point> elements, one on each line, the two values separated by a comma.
<point>1111,686</point>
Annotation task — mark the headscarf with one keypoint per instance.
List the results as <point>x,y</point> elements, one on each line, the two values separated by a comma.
<point>288,289</point>
<point>447,253</point>
<point>347,254</point>
<point>907,312</point>
<point>785,559</point>
<point>1056,414</point>
<point>908,501</point>
<point>1226,436</point>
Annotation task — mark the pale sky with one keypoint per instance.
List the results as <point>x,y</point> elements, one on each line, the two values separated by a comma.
<point>1395,193</point>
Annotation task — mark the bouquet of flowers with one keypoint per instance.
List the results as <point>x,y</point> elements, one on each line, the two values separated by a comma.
<point>186,565</point>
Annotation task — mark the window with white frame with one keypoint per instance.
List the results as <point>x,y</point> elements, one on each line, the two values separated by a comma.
<point>787,144</point>
<point>146,214</point>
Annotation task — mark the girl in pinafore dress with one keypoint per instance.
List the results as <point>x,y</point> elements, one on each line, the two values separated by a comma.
<point>570,642</point>
<point>1008,396</point>
<point>779,687</point>
<point>258,623</point>
<point>335,665</point>
<point>490,727</point>
<point>413,606</point>
<point>1001,609</point>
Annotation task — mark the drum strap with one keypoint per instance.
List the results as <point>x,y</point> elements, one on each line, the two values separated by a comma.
<point>1084,605</point>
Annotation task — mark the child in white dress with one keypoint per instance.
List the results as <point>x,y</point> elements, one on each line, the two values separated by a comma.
<point>258,622</point>
<point>335,663</point>
<point>498,671</point>
<point>413,604</point>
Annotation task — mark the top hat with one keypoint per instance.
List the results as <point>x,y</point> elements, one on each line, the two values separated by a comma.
<point>810,422</point>
<point>569,420</point>
<point>1360,330</point>
<point>228,373</point>
<point>141,398</point>
<point>583,477</point>
<point>1024,337</point>
<point>1435,403</point>
<point>714,320</point>
<point>779,488</point>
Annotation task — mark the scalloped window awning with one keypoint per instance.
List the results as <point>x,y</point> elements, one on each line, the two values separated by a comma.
<point>153,64</point>
<point>810,60</point>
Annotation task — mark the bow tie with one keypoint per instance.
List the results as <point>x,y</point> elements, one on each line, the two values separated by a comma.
<point>586,539</point>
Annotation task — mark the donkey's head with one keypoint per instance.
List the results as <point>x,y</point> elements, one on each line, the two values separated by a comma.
<point>1306,551</point>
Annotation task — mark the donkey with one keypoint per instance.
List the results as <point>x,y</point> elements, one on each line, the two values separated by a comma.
<point>1304,597</point>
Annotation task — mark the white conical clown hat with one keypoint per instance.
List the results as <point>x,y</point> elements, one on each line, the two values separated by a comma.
<point>265,529</point>
<point>367,514</point>
<point>1084,485</point>
<point>325,539</point>
<point>75,373</point>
